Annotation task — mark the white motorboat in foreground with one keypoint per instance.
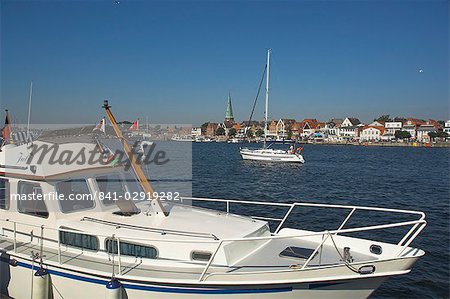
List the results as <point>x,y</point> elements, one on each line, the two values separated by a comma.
<point>267,154</point>
<point>104,248</point>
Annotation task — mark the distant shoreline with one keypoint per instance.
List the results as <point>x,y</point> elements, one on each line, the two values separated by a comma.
<point>385,144</point>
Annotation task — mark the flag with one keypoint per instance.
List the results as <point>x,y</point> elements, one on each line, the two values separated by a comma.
<point>135,126</point>
<point>100,126</point>
<point>6,131</point>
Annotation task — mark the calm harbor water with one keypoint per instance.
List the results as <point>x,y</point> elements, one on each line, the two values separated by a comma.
<point>404,178</point>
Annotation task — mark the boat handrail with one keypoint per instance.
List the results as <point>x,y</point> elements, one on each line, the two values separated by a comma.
<point>311,204</point>
<point>152,229</point>
<point>243,239</point>
<point>275,235</point>
<point>417,225</point>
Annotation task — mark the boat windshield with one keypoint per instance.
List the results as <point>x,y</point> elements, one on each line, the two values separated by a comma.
<point>119,186</point>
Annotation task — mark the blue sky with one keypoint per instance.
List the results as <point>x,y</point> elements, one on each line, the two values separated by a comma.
<point>176,61</point>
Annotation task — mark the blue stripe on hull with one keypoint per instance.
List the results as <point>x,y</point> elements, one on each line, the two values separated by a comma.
<point>162,289</point>
<point>324,284</point>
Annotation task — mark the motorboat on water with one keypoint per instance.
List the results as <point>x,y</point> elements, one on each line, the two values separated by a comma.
<point>269,154</point>
<point>203,139</point>
<point>182,138</point>
<point>121,248</point>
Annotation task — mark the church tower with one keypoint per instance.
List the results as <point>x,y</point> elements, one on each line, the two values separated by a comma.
<point>229,118</point>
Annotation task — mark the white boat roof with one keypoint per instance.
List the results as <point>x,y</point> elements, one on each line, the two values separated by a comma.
<point>56,159</point>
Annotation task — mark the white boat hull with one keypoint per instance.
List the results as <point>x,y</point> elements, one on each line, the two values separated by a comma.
<point>74,284</point>
<point>270,155</point>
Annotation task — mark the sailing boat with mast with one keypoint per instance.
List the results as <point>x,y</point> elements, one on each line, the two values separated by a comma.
<point>267,153</point>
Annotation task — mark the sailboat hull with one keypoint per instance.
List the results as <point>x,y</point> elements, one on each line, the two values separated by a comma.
<point>270,155</point>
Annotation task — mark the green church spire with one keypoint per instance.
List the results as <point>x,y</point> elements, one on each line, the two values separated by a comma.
<point>229,113</point>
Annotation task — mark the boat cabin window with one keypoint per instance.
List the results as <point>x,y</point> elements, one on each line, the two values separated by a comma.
<point>76,195</point>
<point>4,194</point>
<point>297,252</point>
<point>131,183</point>
<point>203,256</point>
<point>131,249</point>
<point>31,201</point>
<point>115,187</point>
<point>77,240</point>
<point>112,187</point>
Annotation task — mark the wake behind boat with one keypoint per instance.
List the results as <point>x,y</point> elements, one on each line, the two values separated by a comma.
<point>268,154</point>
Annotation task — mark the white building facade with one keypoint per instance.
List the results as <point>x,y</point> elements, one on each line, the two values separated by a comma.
<point>349,129</point>
<point>371,133</point>
<point>393,126</point>
<point>447,127</point>
<point>196,132</point>
<point>423,131</point>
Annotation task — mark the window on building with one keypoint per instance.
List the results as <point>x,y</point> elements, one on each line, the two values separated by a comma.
<point>131,249</point>
<point>31,200</point>
<point>4,194</point>
<point>78,240</point>
<point>75,195</point>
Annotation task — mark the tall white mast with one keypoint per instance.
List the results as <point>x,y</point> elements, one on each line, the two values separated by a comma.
<point>267,97</point>
<point>29,112</point>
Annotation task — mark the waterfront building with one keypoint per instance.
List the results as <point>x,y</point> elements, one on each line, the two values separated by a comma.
<point>310,126</point>
<point>350,121</point>
<point>447,127</point>
<point>349,129</point>
<point>337,121</point>
<point>223,126</point>
<point>411,129</point>
<point>297,128</point>
<point>377,123</point>
<point>410,125</point>
<point>211,129</point>
<point>253,125</point>
<point>371,133</point>
<point>348,132</point>
<point>196,132</point>
<point>283,127</point>
<point>424,129</point>
<point>330,131</point>
<point>239,130</point>
<point>272,128</point>
<point>393,126</point>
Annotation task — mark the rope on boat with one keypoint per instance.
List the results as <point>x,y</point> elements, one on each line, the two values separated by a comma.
<point>256,99</point>
<point>59,293</point>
